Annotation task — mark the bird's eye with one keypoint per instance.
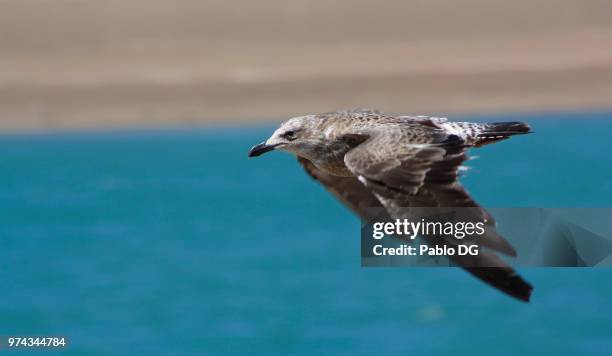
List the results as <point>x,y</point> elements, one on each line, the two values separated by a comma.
<point>289,135</point>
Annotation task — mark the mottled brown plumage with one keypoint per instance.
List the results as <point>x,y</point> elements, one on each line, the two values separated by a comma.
<point>368,159</point>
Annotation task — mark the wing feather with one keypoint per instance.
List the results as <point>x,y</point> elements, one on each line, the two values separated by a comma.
<point>350,191</point>
<point>425,175</point>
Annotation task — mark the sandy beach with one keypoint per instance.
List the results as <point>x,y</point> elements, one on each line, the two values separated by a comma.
<point>68,64</point>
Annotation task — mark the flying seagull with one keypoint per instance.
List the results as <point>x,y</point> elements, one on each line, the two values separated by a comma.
<point>368,159</point>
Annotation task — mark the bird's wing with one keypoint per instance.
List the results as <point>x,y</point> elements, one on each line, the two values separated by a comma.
<point>404,174</point>
<point>349,191</point>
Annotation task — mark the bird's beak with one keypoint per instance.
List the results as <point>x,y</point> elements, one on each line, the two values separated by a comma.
<point>260,149</point>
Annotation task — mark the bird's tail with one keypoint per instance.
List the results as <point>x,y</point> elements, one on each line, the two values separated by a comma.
<point>497,131</point>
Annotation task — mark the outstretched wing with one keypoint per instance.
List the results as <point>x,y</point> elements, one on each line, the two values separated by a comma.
<point>350,191</point>
<point>403,174</point>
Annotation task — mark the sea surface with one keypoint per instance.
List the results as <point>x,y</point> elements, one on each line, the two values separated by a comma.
<point>174,242</point>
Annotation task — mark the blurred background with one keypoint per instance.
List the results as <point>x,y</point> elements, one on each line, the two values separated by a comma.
<point>132,222</point>
<point>79,63</point>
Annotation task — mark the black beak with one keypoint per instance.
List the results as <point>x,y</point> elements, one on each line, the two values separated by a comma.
<point>260,149</point>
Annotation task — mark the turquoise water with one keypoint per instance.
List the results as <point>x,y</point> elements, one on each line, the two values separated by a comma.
<point>173,242</point>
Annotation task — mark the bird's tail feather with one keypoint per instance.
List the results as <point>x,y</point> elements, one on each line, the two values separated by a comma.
<point>498,131</point>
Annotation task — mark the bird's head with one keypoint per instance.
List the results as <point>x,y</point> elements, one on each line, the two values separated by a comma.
<point>299,135</point>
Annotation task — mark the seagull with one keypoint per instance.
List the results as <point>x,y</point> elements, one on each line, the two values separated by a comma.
<point>368,159</point>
